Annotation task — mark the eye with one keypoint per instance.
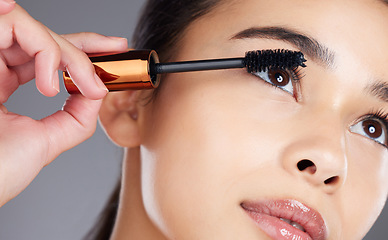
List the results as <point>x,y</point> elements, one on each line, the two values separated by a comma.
<point>280,78</point>
<point>372,128</point>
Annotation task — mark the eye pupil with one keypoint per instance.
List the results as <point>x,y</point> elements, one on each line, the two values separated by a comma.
<point>279,77</point>
<point>372,128</point>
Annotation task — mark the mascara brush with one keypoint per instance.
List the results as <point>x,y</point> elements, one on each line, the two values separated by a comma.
<point>141,69</point>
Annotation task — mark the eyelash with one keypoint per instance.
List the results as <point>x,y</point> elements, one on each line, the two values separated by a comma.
<point>381,116</point>
<point>295,75</point>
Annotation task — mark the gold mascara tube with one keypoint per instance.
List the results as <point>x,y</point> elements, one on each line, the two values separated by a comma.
<point>123,71</point>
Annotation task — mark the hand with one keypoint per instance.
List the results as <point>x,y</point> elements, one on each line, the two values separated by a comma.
<point>29,50</point>
<point>6,6</point>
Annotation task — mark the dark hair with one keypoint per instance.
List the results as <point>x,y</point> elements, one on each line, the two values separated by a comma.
<point>161,25</point>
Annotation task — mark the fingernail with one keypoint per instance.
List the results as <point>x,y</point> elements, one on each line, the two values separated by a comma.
<point>99,83</point>
<point>55,81</point>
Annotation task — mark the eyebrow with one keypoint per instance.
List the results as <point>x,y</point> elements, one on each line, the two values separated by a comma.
<point>379,89</point>
<point>308,45</point>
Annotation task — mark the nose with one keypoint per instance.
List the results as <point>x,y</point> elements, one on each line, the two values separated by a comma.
<point>319,158</point>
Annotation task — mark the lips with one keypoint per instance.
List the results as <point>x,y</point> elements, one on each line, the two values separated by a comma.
<point>267,214</point>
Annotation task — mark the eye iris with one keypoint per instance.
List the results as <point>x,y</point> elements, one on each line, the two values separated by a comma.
<point>372,128</point>
<point>279,77</point>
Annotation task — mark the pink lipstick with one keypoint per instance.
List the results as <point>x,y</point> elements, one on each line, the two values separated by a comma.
<point>287,219</point>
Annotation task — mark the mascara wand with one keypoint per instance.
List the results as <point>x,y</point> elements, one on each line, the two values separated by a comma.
<point>140,69</point>
<point>254,61</point>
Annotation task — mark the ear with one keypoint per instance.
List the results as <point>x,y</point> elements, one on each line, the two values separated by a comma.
<point>119,116</point>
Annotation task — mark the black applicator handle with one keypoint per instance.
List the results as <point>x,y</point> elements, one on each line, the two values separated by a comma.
<point>200,65</point>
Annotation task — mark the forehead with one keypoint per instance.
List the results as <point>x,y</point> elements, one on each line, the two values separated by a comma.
<point>346,19</point>
<point>357,30</point>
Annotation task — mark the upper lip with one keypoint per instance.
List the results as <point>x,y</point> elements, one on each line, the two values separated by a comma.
<point>293,210</point>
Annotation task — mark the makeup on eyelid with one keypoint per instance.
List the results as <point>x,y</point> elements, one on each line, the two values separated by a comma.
<point>140,69</point>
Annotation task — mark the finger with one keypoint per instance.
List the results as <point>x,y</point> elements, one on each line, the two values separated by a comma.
<point>9,85</point>
<point>89,43</point>
<point>97,43</point>
<point>6,6</point>
<point>14,55</point>
<point>34,39</point>
<point>3,108</point>
<point>72,125</point>
<point>6,29</point>
<point>94,43</point>
<point>24,72</point>
<point>81,70</point>
<point>15,76</point>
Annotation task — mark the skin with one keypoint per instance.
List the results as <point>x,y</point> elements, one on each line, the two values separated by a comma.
<point>6,6</point>
<point>212,140</point>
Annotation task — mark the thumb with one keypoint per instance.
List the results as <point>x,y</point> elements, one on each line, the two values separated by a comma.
<point>6,6</point>
<point>72,125</point>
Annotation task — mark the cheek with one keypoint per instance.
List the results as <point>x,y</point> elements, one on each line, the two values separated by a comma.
<point>366,187</point>
<point>202,140</point>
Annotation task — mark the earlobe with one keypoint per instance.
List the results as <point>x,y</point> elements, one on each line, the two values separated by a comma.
<point>119,116</point>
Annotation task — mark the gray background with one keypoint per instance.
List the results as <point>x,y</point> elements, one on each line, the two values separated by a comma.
<point>67,196</point>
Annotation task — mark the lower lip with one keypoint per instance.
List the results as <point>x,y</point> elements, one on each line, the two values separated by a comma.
<point>276,228</point>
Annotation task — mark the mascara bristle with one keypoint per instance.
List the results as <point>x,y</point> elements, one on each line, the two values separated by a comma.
<point>258,61</point>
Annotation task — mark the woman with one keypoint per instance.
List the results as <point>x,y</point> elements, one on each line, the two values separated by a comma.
<point>225,154</point>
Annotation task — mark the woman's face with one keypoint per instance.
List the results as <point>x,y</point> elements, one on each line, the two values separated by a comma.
<point>226,154</point>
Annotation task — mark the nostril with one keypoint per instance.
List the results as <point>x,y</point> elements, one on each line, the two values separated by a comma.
<point>307,165</point>
<point>332,180</point>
